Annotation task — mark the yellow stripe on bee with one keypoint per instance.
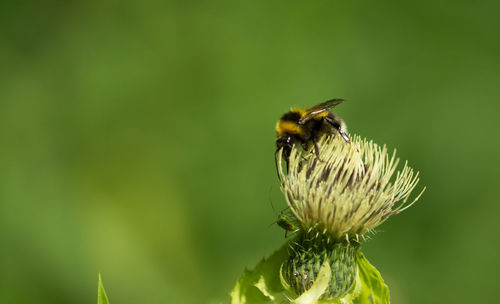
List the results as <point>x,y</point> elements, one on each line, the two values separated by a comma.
<point>301,111</point>
<point>288,127</point>
<point>320,115</point>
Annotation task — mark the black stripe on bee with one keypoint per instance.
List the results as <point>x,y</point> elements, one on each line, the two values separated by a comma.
<point>291,116</point>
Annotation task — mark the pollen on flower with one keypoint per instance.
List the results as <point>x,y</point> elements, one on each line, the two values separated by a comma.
<point>346,190</point>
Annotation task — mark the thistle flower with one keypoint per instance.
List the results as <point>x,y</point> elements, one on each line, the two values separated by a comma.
<point>346,190</point>
<point>335,196</point>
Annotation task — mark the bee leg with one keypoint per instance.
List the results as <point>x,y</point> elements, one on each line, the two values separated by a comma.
<point>316,148</point>
<point>338,124</point>
<point>344,135</point>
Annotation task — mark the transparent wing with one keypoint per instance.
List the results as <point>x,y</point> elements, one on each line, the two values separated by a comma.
<point>320,108</point>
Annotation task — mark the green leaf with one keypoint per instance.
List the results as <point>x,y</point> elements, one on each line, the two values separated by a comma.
<point>374,290</point>
<point>102,298</point>
<point>262,284</point>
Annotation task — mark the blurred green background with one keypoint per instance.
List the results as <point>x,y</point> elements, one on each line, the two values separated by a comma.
<point>137,140</point>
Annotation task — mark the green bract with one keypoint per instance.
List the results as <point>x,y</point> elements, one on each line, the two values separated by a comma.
<point>264,284</point>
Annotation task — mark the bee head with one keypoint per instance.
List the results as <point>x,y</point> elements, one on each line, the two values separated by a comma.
<point>286,142</point>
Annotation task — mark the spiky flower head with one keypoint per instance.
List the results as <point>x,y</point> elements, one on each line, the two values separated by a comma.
<point>347,190</point>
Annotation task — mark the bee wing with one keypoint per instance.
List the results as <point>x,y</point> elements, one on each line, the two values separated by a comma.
<point>320,108</point>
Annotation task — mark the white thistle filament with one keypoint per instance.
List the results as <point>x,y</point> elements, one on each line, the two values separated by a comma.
<point>347,189</point>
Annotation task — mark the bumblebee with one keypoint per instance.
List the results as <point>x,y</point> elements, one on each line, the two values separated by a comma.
<point>307,126</point>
